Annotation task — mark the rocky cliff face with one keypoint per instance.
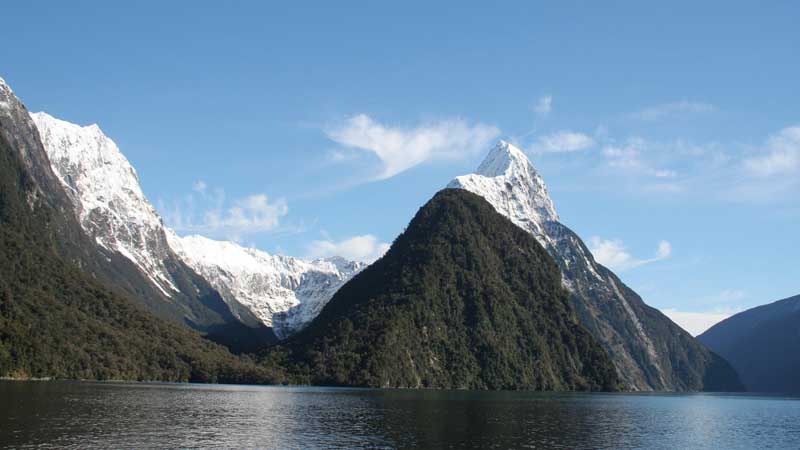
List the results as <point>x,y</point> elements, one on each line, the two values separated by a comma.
<point>259,289</point>
<point>649,351</point>
<point>105,191</point>
<point>192,301</point>
<point>285,293</point>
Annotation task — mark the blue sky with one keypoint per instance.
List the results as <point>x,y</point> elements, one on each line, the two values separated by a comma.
<point>673,122</point>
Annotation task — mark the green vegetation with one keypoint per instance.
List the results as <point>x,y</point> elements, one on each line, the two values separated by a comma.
<point>463,299</point>
<point>57,321</point>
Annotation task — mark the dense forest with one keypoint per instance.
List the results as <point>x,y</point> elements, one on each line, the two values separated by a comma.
<point>463,299</point>
<point>57,321</point>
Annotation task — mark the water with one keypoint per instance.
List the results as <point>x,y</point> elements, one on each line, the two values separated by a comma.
<point>100,415</point>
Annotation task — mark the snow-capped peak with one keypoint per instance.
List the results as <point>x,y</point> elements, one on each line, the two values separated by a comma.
<point>502,159</point>
<point>283,292</point>
<point>508,180</point>
<point>7,98</point>
<point>105,190</point>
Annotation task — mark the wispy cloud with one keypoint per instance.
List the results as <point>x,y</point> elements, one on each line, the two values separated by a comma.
<point>400,149</point>
<point>781,155</point>
<point>681,108</point>
<point>208,211</point>
<point>613,253</point>
<point>562,141</point>
<point>628,158</point>
<point>366,248</point>
<point>543,106</point>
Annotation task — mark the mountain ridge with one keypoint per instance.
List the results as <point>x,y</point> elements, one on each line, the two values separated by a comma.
<point>102,190</point>
<point>58,319</point>
<point>281,293</point>
<point>463,299</point>
<point>649,351</point>
<point>763,344</point>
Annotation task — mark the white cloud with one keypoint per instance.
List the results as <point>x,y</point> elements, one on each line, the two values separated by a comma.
<point>782,155</point>
<point>400,149</point>
<point>628,158</point>
<point>251,214</point>
<point>210,213</point>
<point>562,141</point>
<point>365,248</point>
<point>695,322</point>
<point>674,109</point>
<point>613,253</point>
<point>543,107</point>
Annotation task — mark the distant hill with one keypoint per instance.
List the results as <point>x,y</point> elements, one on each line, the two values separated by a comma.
<point>763,344</point>
<point>463,299</point>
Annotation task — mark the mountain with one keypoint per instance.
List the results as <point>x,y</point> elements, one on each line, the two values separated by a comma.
<point>463,299</point>
<point>111,208</point>
<point>649,351</point>
<point>57,320</point>
<point>285,293</point>
<point>762,344</point>
<point>272,294</point>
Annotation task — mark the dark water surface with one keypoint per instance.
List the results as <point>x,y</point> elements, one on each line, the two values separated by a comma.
<point>99,415</point>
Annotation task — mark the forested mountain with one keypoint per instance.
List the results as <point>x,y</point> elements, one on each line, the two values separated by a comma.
<point>762,344</point>
<point>121,225</point>
<point>649,351</point>
<point>57,320</point>
<point>463,299</point>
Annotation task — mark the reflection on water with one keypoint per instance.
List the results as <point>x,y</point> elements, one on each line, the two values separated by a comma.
<point>95,415</point>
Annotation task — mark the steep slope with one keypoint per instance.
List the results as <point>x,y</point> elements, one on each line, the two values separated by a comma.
<point>649,351</point>
<point>762,344</point>
<point>56,320</point>
<point>203,310</point>
<point>463,299</point>
<point>105,190</point>
<point>284,292</point>
<point>259,289</point>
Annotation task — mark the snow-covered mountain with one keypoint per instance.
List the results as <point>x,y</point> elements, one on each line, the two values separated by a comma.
<point>277,291</point>
<point>285,293</point>
<point>105,189</point>
<point>649,351</point>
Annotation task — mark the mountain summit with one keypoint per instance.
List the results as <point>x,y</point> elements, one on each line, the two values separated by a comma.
<point>105,189</point>
<point>260,290</point>
<point>508,180</point>
<point>463,299</point>
<point>649,351</point>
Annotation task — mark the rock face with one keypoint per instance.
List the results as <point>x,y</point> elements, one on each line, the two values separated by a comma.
<point>105,190</point>
<point>104,193</point>
<point>762,344</point>
<point>285,293</point>
<point>463,299</point>
<point>260,290</point>
<point>204,309</point>
<point>57,321</point>
<point>649,351</point>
